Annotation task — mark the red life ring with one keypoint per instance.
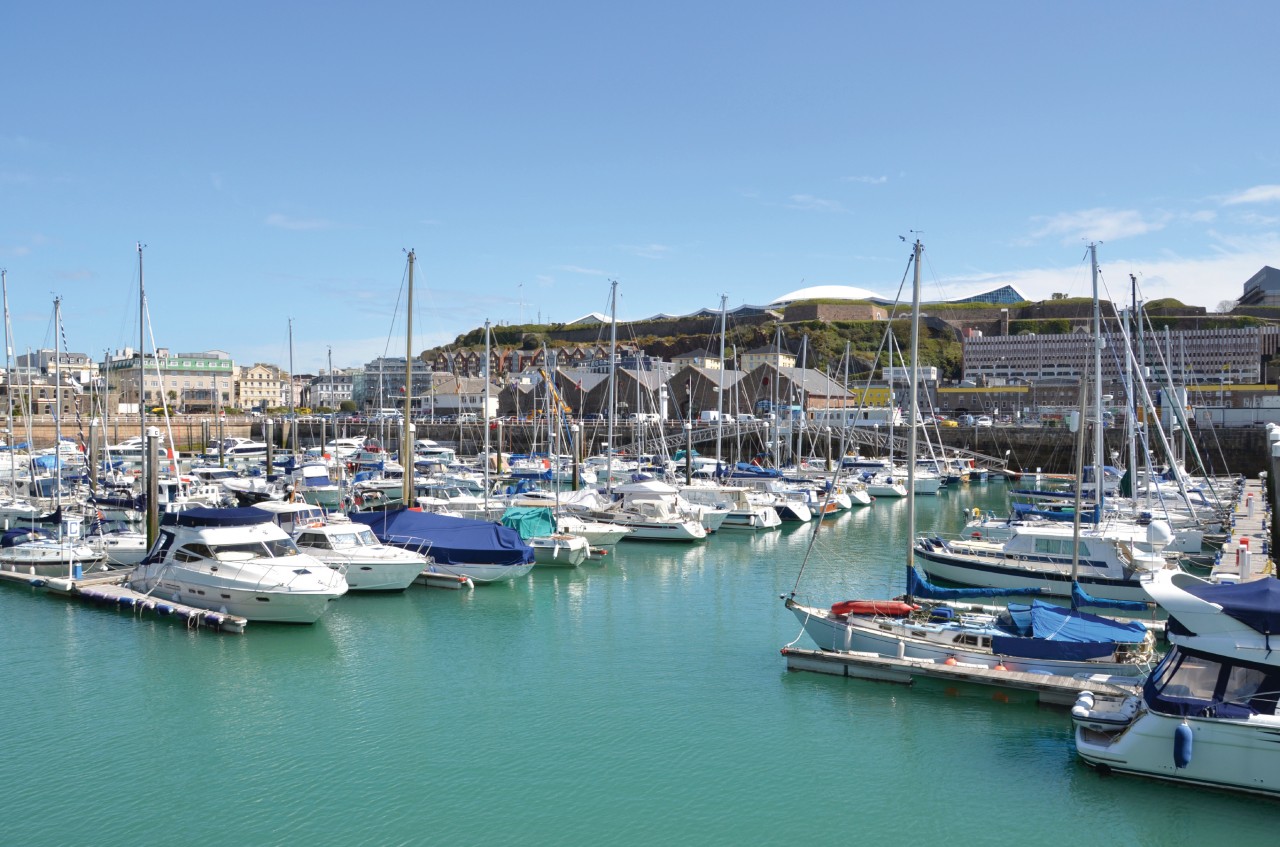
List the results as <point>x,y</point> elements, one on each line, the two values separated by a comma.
<point>889,608</point>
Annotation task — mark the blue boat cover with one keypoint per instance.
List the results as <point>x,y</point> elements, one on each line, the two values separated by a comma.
<point>1065,634</point>
<point>1255,604</point>
<point>919,586</point>
<point>216,517</point>
<point>744,470</point>
<point>21,535</point>
<point>1063,513</point>
<point>454,541</point>
<point>529,521</point>
<point>1080,597</point>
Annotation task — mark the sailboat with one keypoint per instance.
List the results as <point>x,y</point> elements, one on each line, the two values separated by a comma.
<point>1039,555</point>
<point>1034,638</point>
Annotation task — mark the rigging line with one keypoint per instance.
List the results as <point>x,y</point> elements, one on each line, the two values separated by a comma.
<point>813,536</point>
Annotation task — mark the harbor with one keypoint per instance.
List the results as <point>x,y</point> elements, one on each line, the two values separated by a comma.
<point>647,676</point>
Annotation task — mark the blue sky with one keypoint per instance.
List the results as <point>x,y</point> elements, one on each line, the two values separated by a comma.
<point>277,159</point>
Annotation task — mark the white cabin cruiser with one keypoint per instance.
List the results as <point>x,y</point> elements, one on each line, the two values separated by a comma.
<point>1208,714</point>
<point>238,562</point>
<point>353,549</point>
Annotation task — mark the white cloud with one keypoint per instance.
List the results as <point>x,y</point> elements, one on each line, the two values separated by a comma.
<point>1098,225</point>
<point>647,251</point>
<point>809,203</point>
<point>576,269</point>
<point>280,221</point>
<point>1257,194</point>
<point>868,180</point>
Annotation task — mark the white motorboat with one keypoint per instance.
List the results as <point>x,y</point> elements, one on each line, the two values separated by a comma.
<point>238,562</point>
<point>742,514</point>
<point>559,549</point>
<point>237,449</point>
<point>353,549</point>
<point>1208,714</point>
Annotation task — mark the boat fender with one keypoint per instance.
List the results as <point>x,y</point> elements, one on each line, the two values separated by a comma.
<point>1182,742</point>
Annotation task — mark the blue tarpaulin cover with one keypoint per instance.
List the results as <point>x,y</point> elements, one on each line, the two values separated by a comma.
<point>453,541</point>
<point>1255,604</point>
<point>1061,633</point>
<point>1080,597</point>
<point>919,586</point>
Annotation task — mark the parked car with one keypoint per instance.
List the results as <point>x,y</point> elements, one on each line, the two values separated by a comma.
<point>984,420</point>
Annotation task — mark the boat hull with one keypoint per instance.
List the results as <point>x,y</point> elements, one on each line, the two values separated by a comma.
<point>1223,753</point>
<point>998,573</point>
<point>891,638</point>
<point>265,606</point>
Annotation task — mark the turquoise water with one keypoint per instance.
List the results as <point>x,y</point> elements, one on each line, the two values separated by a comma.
<point>641,700</point>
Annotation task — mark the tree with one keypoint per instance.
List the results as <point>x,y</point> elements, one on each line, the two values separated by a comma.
<point>1225,306</point>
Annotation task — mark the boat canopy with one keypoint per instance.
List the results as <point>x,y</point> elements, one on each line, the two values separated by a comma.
<point>216,517</point>
<point>1046,631</point>
<point>447,539</point>
<point>529,521</point>
<point>22,535</point>
<point>1255,604</point>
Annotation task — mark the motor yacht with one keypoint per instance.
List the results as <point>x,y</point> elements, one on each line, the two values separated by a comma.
<point>238,562</point>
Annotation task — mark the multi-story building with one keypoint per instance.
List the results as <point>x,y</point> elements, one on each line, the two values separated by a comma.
<point>1262,289</point>
<point>77,367</point>
<point>192,382</point>
<point>329,390</point>
<point>1186,357</point>
<point>261,387</point>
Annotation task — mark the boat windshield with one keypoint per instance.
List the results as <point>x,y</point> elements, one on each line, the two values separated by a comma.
<point>273,549</point>
<point>1191,683</point>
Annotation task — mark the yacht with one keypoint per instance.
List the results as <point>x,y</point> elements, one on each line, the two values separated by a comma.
<point>238,562</point>
<point>352,548</point>
<point>1207,715</point>
<point>237,448</point>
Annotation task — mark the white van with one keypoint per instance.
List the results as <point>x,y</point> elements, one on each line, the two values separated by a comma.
<point>710,416</point>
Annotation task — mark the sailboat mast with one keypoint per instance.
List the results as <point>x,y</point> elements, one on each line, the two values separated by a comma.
<point>57,414</point>
<point>293,417</point>
<point>142,364</point>
<point>8,380</point>
<point>1098,343</point>
<point>724,314</point>
<point>613,373</point>
<point>485,417</point>
<point>914,406</point>
<point>406,428</point>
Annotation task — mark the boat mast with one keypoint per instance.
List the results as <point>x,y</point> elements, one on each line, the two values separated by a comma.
<point>1098,343</point>
<point>914,406</point>
<point>293,417</point>
<point>142,365</point>
<point>613,368</point>
<point>485,418</point>
<point>8,383</point>
<point>724,314</point>
<point>57,416</point>
<point>406,428</point>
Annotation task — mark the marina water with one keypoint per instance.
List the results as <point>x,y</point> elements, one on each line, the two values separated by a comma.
<point>640,699</point>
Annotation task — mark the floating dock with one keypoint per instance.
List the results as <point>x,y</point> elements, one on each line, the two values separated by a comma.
<point>1058,690</point>
<point>109,590</point>
<point>1251,528</point>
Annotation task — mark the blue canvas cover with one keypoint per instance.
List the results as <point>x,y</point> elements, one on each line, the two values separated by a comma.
<point>1080,597</point>
<point>1065,634</point>
<point>919,586</point>
<point>454,541</point>
<point>1255,604</point>
<point>529,521</point>
<point>216,517</point>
